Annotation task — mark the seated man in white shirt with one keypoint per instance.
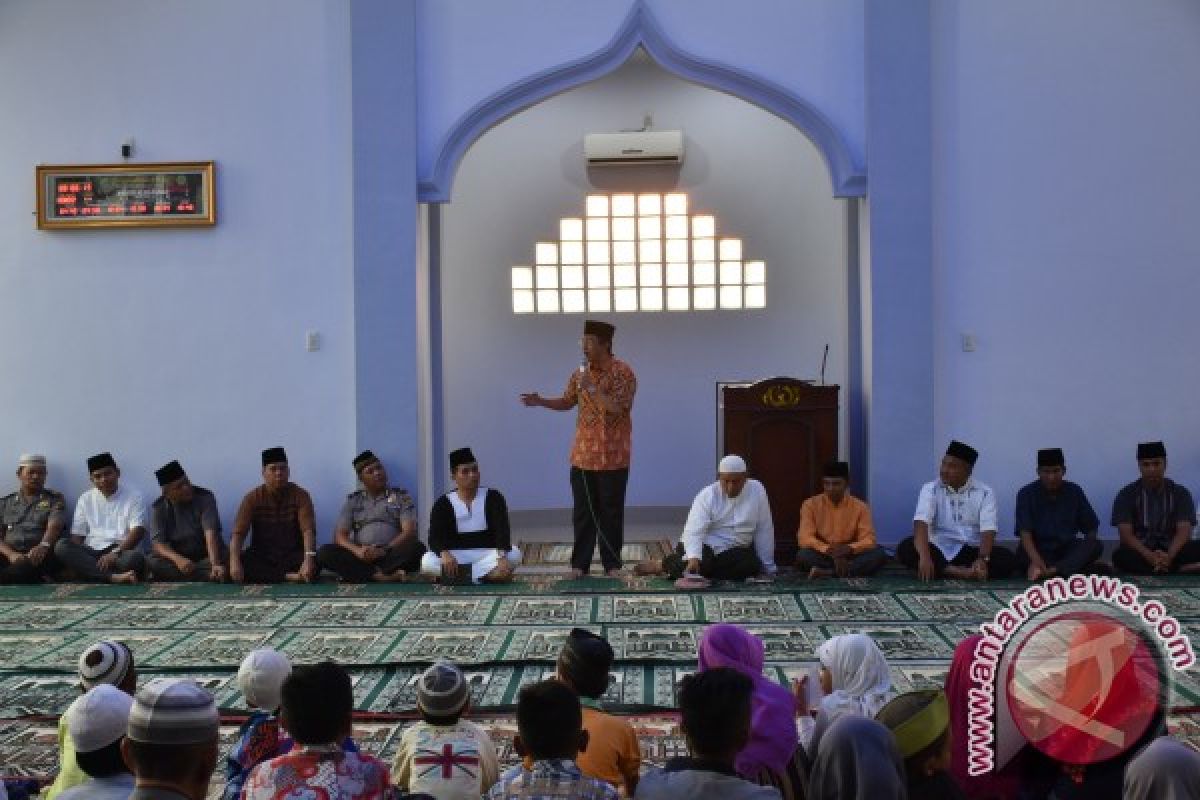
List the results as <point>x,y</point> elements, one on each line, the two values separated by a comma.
<point>106,534</point>
<point>469,530</point>
<point>954,527</point>
<point>728,534</point>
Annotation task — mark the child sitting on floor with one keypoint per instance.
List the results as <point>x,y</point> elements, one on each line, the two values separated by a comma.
<point>260,678</point>
<point>445,755</point>
<point>920,721</point>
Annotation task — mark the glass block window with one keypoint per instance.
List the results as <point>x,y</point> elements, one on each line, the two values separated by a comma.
<point>638,252</point>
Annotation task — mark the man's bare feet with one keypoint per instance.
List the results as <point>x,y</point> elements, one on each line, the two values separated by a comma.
<point>1190,569</point>
<point>399,576</point>
<point>651,566</point>
<point>819,572</point>
<point>615,572</point>
<point>123,577</point>
<point>962,573</point>
<point>575,573</point>
<point>294,577</point>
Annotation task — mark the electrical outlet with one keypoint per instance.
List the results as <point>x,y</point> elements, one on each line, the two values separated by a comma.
<point>312,341</point>
<point>968,342</point>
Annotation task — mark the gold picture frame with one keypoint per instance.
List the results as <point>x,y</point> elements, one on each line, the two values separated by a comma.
<point>152,195</point>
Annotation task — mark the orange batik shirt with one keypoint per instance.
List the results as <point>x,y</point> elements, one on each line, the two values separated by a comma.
<point>602,440</point>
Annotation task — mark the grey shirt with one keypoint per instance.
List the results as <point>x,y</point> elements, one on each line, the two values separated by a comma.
<point>181,526</point>
<point>25,522</point>
<point>376,520</point>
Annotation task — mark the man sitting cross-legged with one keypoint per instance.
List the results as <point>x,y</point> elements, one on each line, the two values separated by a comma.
<point>105,545</point>
<point>1052,513</point>
<point>375,538</point>
<point>469,528</point>
<point>187,543</point>
<point>1154,518</point>
<point>954,527</point>
<point>31,520</point>
<point>728,535</point>
<point>278,517</point>
<point>836,534</point>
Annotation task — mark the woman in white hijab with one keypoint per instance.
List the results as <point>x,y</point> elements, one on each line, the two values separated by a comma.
<point>1166,770</point>
<point>855,680</point>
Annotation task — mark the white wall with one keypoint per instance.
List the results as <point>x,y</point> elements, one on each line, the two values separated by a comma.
<point>189,344</point>
<point>1066,193</point>
<point>762,179</point>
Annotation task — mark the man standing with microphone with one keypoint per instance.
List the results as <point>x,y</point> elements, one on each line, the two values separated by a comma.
<point>603,388</point>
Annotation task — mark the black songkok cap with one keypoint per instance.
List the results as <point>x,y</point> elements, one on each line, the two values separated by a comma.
<point>168,473</point>
<point>1151,450</point>
<point>362,459</point>
<point>836,469</point>
<point>462,455</point>
<point>1051,457</point>
<point>594,327</point>
<point>585,661</point>
<point>964,451</point>
<point>274,455</point>
<point>100,461</point>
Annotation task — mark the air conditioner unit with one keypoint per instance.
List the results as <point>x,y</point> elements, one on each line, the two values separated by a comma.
<point>633,148</point>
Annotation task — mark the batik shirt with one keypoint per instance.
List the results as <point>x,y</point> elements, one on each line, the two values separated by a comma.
<point>328,773</point>
<point>554,779</point>
<point>602,440</point>
<point>450,762</point>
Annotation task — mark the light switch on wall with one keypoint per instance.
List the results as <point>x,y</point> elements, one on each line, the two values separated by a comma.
<point>968,342</point>
<point>312,341</point>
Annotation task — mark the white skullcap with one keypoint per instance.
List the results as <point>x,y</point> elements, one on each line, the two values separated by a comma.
<point>31,460</point>
<point>731,464</point>
<point>98,718</point>
<point>261,677</point>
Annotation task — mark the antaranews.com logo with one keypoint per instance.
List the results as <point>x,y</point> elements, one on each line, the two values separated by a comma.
<point>1078,667</point>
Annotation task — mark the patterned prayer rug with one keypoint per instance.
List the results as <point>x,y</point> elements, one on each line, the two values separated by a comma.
<point>504,636</point>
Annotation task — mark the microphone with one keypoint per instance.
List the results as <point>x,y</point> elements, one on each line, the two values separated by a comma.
<point>824,358</point>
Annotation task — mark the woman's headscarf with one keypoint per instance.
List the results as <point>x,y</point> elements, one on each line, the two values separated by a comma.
<point>857,760</point>
<point>1004,782</point>
<point>1165,770</point>
<point>861,682</point>
<point>773,738</point>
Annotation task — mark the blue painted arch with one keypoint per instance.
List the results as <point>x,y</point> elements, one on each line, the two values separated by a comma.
<point>640,29</point>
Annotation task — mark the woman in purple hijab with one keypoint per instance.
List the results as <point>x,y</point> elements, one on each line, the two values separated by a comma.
<point>773,746</point>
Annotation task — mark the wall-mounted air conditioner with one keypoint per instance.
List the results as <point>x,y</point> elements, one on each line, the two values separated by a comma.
<point>633,148</point>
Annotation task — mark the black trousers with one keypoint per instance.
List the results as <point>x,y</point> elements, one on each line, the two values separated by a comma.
<point>81,560</point>
<point>599,516</point>
<point>867,562</point>
<point>263,566</point>
<point>26,571</point>
<point>1069,558</point>
<point>352,569</point>
<point>1130,561</point>
<point>1001,565</point>
<point>734,564</point>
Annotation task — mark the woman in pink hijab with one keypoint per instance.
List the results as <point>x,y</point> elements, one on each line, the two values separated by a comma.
<point>1002,784</point>
<point>772,756</point>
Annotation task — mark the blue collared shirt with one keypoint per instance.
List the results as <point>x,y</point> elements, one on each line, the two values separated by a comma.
<point>1054,519</point>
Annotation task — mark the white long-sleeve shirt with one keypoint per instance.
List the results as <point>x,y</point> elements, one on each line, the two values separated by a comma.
<point>723,522</point>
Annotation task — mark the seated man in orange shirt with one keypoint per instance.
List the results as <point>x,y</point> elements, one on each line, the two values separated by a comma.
<point>836,534</point>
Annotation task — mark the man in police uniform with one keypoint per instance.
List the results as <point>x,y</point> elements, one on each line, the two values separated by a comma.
<point>375,537</point>
<point>31,520</point>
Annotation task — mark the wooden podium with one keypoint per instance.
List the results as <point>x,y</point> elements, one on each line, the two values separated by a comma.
<point>786,430</point>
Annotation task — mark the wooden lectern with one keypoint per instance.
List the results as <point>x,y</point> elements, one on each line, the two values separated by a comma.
<point>786,430</point>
